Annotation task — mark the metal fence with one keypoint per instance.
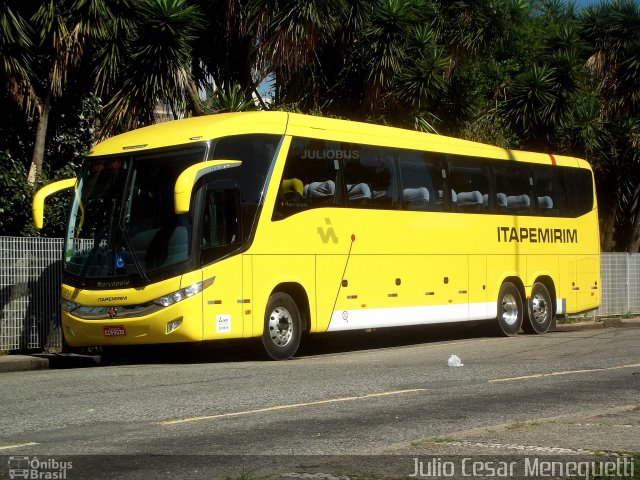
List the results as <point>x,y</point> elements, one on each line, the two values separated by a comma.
<point>30,275</point>
<point>31,271</point>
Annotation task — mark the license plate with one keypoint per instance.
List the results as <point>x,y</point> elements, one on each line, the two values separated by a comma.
<point>114,331</point>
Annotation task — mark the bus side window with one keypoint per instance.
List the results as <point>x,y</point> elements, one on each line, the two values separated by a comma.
<point>370,177</point>
<point>470,183</point>
<point>514,186</point>
<point>309,177</point>
<point>579,185</point>
<point>550,190</point>
<point>422,182</point>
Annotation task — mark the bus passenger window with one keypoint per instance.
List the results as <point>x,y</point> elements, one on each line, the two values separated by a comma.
<point>422,182</point>
<point>469,179</point>
<point>513,187</point>
<point>579,185</point>
<point>369,176</point>
<point>550,190</point>
<point>309,177</point>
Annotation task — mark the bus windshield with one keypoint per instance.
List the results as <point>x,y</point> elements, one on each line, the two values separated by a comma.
<point>122,221</point>
<point>123,228</point>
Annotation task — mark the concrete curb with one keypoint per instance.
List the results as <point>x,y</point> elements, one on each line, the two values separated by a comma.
<point>599,324</point>
<point>17,363</point>
<point>39,361</point>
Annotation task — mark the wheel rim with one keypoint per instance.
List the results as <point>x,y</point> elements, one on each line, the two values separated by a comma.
<point>509,310</point>
<point>539,308</point>
<point>280,326</point>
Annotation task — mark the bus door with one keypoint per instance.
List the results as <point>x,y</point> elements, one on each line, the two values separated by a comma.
<point>220,237</point>
<point>587,282</point>
<point>567,294</point>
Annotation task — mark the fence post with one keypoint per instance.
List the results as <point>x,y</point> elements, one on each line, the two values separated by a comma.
<point>628,283</point>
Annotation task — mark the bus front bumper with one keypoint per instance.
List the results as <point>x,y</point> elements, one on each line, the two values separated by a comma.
<point>177,323</point>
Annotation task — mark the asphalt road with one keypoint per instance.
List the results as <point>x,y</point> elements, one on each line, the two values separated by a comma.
<point>376,396</point>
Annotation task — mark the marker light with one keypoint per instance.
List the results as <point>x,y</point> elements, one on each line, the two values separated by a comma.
<point>184,293</point>
<point>172,325</point>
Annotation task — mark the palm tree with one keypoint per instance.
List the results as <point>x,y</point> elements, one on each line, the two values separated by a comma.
<point>384,47</point>
<point>613,32</point>
<point>15,45</point>
<point>422,81</point>
<point>63,28</point>
<point>290,36</point>
<point>230,98</point>
<point>471,27</point>
<point>158,67</point>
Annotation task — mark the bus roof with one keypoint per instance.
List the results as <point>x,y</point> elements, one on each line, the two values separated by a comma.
<point>193,130</point>
<point>197,129</point>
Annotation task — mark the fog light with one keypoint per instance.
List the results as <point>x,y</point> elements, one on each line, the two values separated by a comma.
<point>171,326</point>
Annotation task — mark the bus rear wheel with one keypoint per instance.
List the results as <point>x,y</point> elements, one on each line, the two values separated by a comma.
<point>509,310</point>
<point>539,310</point>
<point>282,327</point>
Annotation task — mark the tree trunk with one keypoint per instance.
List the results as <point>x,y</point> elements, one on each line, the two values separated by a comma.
<point>41,136</point>
<point>608,226</point>
<point>634,240</point>
<point>194,98</point>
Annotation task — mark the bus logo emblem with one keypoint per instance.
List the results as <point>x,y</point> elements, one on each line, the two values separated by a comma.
<point>112,312</point>
<point>329,234</point>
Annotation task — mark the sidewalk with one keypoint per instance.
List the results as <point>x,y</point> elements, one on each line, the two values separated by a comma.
<point>39,361</point>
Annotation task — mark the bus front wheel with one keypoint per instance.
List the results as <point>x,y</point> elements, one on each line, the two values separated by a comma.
<point>509,310</point>
<point>282,327</point>
<point>539,310</point>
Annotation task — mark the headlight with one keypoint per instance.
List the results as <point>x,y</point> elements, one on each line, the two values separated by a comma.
<point>184,293</point>
<point>68,306</point>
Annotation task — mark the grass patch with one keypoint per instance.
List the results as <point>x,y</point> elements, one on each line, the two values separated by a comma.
<point>242,476</point>
<point>570,320</point>
<point>516,425</point>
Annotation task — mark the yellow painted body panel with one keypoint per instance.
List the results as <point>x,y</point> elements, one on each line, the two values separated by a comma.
<point>193,130</point>
<point>442,262</point>
<point>222,303</point>
<point>41,195</point>
<point>150,328</point>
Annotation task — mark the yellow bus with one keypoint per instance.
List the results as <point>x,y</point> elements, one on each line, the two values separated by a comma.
<point>273,225</point>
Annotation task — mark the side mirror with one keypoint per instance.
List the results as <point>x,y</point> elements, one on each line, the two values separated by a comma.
<point>37,206</point>
<point>189,177</point>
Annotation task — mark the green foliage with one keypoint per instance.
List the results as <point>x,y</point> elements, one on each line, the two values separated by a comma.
<point>534,74</point>
<point>156,70</point>
<point>15,201</point>
<point>230,98</point>
<point>491,128</point>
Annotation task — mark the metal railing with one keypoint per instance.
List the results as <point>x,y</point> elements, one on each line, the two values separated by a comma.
<point>31,271</point>
<point>30,276</point>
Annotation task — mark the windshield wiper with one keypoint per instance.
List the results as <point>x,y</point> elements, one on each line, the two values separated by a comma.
<point>96,244</point>
<point>132,252</point>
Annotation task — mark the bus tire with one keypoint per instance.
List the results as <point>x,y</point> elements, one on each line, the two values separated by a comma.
<point>510,310</point>
<point>282,327</point>
<point>539,310</point>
